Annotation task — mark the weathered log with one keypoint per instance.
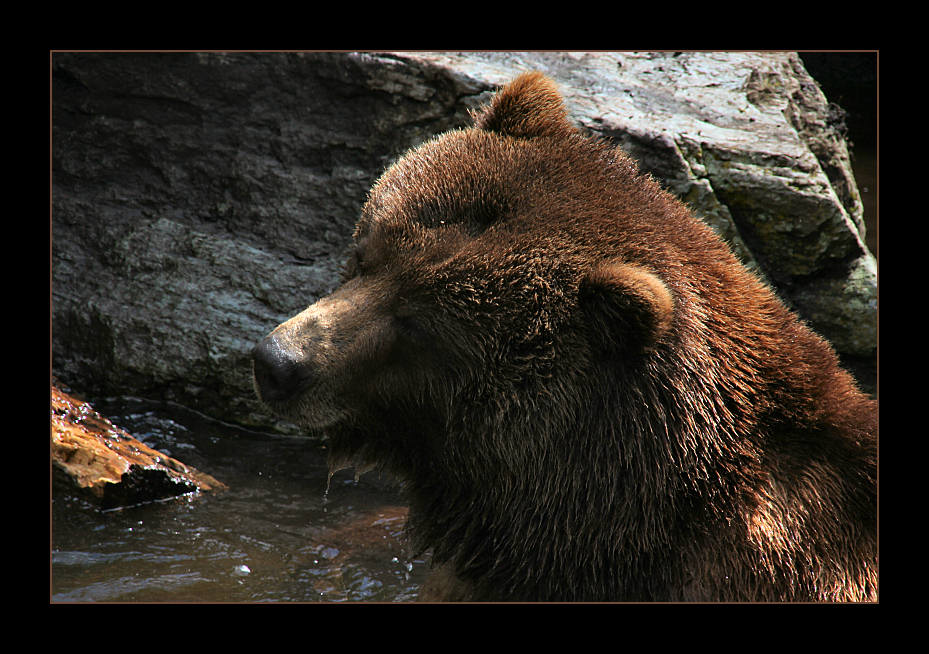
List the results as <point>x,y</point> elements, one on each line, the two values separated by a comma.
<point>109,465</point>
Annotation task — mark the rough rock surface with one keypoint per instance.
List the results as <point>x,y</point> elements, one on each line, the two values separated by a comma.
<point>200,199</point>
<point>93,455</point>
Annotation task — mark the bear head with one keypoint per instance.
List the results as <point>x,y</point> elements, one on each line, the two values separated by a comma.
<point>480,272</point>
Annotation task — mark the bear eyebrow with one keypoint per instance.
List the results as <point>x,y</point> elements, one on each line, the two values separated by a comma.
<point>473,214</point>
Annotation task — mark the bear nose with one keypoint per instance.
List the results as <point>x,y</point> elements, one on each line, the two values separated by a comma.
<point>279,371</point>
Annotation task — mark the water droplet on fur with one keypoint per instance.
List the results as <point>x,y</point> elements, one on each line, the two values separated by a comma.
<point>334,466</point>
<point>361,469</point>
<point>326,492</point>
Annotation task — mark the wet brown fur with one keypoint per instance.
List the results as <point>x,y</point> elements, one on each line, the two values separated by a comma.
<point>587,396</point>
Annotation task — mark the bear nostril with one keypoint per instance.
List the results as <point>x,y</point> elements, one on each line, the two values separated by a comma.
<point>279,374</point>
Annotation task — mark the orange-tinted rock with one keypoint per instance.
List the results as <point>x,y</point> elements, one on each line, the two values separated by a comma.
<point>109,463</point>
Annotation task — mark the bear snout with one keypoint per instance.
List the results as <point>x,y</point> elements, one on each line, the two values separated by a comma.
<point>280,371</point>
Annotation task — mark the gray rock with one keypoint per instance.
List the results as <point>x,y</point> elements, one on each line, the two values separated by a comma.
<point>200,199</point>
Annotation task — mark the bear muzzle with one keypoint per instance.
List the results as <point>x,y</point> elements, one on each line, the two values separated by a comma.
<point>288,361</point>
<point>301,365</point>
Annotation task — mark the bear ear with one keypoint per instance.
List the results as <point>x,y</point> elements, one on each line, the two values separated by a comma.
<point>528,106</point>
<point>627,308</point>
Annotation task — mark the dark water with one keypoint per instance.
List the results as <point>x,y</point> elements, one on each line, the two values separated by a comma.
<point>274,535</point>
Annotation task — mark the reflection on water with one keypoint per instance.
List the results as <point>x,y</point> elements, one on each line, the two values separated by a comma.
<point>271,537</point>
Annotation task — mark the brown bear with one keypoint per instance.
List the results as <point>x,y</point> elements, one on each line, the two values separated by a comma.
<point>586,395</point>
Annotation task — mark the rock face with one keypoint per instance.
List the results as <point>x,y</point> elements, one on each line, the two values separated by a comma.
<point>200,199</point>
<point>92,454</point>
